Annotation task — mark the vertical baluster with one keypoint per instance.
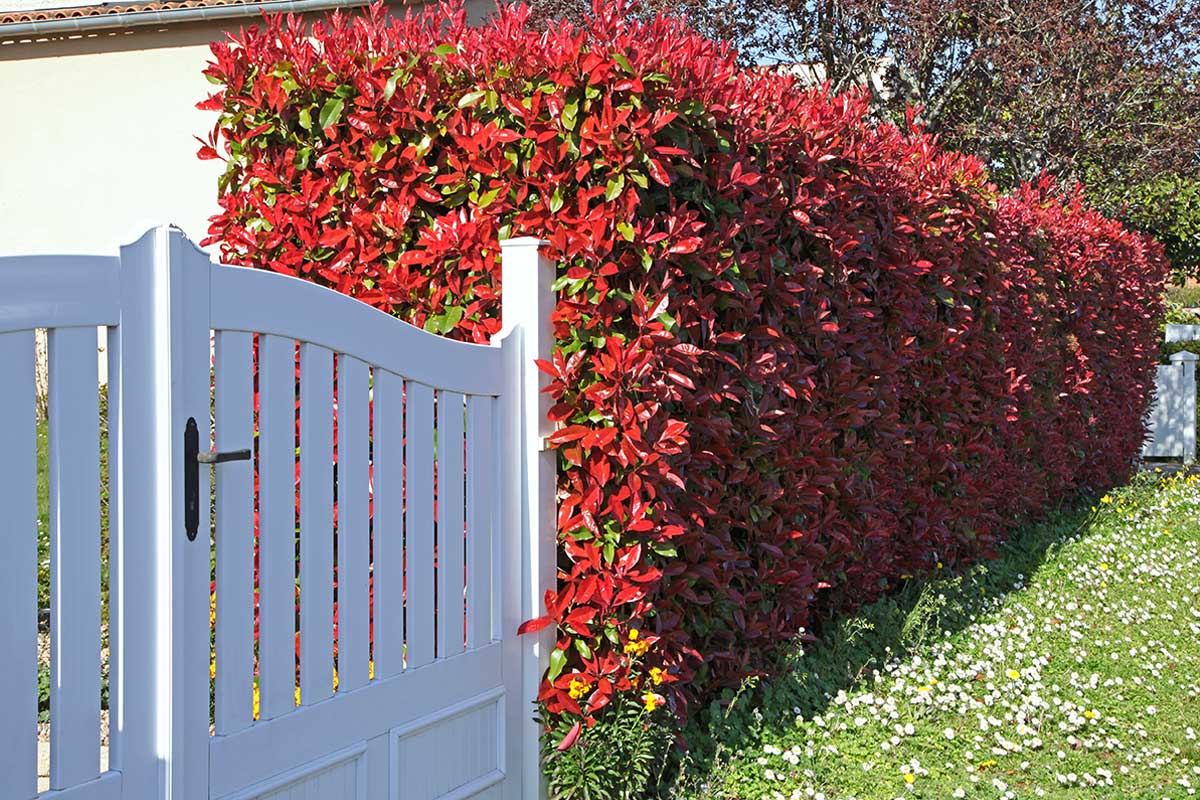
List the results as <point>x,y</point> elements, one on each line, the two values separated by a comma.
<point>480,474</point>
<point>353,533</point>
<point>277,526</point>
<point>74,557</point>
<point>235,532</point>
<point>316,523</point>
<point>18,568</point>
<point>388,530</point>
<point>450,524</point>
<point>419,535</point>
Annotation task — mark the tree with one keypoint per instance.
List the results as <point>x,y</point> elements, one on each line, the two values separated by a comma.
<point>1091,91</point>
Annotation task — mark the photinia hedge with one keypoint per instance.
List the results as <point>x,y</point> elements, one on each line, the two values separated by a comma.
<point>800,357</point>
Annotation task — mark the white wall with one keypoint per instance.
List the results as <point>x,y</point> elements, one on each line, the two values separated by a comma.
<point>98,145</point>
<point>96,137</point>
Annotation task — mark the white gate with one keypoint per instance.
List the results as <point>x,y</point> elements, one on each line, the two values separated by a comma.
<point>1171,424</point>
<point>401,486</point>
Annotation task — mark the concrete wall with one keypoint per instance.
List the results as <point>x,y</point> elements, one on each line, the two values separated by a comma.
<point>97,145</point>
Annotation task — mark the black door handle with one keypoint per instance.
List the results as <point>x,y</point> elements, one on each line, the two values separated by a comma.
<point>192,459</point>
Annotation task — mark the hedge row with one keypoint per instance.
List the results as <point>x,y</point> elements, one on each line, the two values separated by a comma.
<point>800,357</point>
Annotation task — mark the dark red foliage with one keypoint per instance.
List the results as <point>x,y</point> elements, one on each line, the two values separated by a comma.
<point>799,356</point>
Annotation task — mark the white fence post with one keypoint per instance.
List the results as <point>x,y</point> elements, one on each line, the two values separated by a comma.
<point>1187,402</point>
<point>164,379</point>
<point>528,300</point>
<point>144,484</point>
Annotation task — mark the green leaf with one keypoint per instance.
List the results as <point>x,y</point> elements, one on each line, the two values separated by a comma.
<point>389,88</point>
<point>615,187</point>
<point>558,660</point>
<point>556,201</point>
<point>583,648</point>
<point>626,230</point>
<point>342,182</point>
<point>470,99</point>
<point>451,317</point>
<point>487,198</point>
<point>331,112</point>
<point>305,119</point>
<point>444,50</point>
<point>302,157</point>
<point>377,151</point>
<point>610,552</point>
<point>623,61</point>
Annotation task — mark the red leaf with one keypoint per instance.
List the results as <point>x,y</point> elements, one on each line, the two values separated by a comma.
<point>534,625</point>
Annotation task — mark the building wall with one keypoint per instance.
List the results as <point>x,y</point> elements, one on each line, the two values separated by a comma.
<point>97,142</point>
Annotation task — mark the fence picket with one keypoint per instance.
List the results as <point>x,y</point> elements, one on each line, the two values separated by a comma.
<point>277,525</point>
<point>234,408</point>
<point>316,523</point>
<point>419,533</point>
<point>450,545</point>
<point>74,450</point>
<point>18,567</point>
<point>388,529</point>
<point>353,533</point>
<point>480,476</point>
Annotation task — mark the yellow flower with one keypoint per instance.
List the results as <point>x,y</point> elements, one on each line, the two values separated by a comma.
<point>212,669</point>
<point>989,763</point>
<point>1013,674</point>
<point>939,566</point>
<point>1104,566</point>
<point>1090,714</point>
<point>909,778</point>
<point>657,674</point>
<point>371,670</point>
<point>634,634</point>
<point>905,577</point>
<point>1106,499</point>
<point>635,646</point>
<point>652,700</point>
<point>256,699</point>
<point>578,688</point>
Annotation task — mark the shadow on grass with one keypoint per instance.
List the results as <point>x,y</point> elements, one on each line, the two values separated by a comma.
<point>849,647</point>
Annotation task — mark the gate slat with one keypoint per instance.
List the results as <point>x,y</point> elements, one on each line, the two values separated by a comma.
<point>450,543</point>
<point>419,534</point>
<point>388,528</point>
<point>353,534</point>
<point>480,475</point>
<point>235,532</point>
<point>277,525</point>
<point>18,568</point>
<point>74,557</point>
<point>316,523</point>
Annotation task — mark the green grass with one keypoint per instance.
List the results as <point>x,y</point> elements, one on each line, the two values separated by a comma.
<point>1067,668</point>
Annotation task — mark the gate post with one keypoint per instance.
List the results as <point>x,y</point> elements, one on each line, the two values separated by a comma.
<point>1187,401</point>
<point>164,379</point>
<point>527,275</point>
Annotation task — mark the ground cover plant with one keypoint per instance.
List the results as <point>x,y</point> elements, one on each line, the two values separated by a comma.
<point>1067,667</point>
<point>799,356</point>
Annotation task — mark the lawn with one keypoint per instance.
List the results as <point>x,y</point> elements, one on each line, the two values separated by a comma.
<point>1067,668</point>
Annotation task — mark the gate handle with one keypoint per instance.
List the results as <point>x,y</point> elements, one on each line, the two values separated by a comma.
<point>192,459</point>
